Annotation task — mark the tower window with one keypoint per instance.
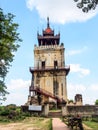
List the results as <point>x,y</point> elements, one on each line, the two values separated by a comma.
<point>55,64</point>
<point>43,64</point>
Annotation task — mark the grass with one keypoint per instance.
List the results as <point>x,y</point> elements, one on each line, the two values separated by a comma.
<point>91,124</point>
<point>49,125</point>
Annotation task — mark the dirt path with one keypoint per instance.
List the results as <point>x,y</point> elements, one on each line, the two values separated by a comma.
<point>17,126</point>
<point>58,124</point>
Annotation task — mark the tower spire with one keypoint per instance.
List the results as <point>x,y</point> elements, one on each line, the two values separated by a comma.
<point>48,26</point>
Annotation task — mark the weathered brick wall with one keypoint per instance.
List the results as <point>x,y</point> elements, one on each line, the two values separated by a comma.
<point>47,80</point>
<point>85,110</point>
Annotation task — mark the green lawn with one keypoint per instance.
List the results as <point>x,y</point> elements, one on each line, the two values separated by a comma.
<point>91,124</point>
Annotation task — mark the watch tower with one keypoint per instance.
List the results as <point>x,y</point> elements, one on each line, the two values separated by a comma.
<point>49,71</point>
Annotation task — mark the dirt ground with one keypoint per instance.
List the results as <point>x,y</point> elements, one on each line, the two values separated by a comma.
<point>28,124</point>
<point>23,126</point>
<point>18,126</point>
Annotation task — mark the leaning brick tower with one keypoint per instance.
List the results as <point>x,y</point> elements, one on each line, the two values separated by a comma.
<point>49,71</point>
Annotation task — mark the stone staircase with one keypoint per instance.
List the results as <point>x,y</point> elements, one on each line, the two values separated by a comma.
<point>55,114</point>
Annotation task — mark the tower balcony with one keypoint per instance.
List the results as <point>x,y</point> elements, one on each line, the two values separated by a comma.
<point>50,68</point>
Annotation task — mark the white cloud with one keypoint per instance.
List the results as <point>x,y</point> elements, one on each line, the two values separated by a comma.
<point>59,11</point>
<point>75,52</point>
<point>18,84</point>
<point>16,98</point>
<point>19,90</point>
<point>78,69</point>
<point>89,100</point>
<point>76,88</point>
<point>94,87</point>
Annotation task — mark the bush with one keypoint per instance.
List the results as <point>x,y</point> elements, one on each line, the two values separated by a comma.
<point>86,118</point>
<point>3,119</point>
<point>26,114</point>
<point>12,113</point>
<point>4,112</point>
<point>95,118</point>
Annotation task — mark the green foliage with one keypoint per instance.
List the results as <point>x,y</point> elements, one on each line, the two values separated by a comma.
<point>4,112</point>
<point>7,110</point>
<point>8,45</point>
<point>12,113</point>
<point>93,118</point>
<point>12,106</point>
<point>25,114</point>
<point>96,102</point>
<point>3,91</point>
<point>70,101</point>
<point>87,5</point>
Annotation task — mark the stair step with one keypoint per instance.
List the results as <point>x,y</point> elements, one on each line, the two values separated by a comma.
<point>55,114</point>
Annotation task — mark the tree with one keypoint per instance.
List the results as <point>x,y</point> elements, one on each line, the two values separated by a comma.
<point>96,102</point>
<point>8,45</point>
<point>86,5</point>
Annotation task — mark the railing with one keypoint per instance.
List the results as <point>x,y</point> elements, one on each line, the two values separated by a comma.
<point>46,93</point>
<point>48,47</point>
<point>49,68</point>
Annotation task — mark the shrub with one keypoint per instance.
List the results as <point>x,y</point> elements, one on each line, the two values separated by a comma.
<point>95,118</point>
<point>12,113</point>
<point>4,112</point>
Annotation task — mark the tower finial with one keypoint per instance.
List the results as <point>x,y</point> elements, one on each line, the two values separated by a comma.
<point>48,22</point>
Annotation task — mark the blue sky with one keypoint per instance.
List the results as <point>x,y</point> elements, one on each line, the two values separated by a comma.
<point>78,32</point>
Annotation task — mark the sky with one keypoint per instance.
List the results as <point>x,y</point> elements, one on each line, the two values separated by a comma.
<point>78,32</point>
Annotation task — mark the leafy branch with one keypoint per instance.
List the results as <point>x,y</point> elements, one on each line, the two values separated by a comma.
<point>86,5</point>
